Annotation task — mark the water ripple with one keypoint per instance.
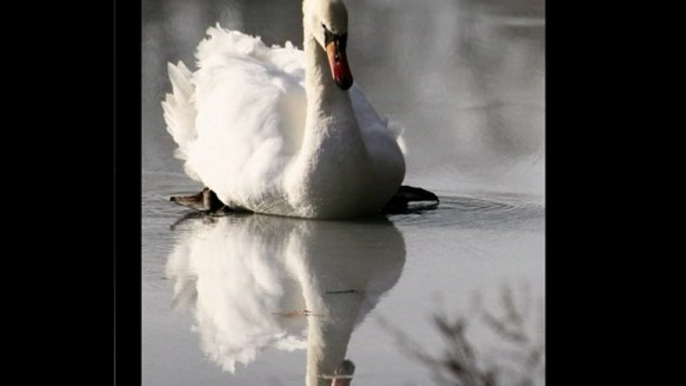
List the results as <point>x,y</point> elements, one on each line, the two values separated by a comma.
<point>469,212</point>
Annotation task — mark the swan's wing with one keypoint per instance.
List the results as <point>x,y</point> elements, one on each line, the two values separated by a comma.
<point>376,128</point>
<point>179,111</point>
<point>250,104</point>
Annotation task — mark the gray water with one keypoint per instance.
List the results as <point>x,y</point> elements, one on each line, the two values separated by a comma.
<point>466,79</point>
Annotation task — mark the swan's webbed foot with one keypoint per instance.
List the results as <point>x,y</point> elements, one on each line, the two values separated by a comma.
<point>408,199</point>
<point>205,202</point>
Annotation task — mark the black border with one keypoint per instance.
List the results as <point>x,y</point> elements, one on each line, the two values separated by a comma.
<point>127,178</point>
<point>579,205</point>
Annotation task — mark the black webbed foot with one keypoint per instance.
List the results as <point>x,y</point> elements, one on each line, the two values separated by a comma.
<point>205,201</point>
<point>410,199</point>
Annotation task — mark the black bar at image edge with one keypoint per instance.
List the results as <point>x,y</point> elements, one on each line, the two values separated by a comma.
<point>127,179</point>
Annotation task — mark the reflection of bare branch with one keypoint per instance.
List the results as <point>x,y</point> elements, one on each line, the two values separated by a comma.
<point>511,326</point>
<point>460,363</point>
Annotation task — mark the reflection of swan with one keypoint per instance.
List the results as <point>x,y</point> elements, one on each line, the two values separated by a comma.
<point>276,130</point>
<point>257,282</point>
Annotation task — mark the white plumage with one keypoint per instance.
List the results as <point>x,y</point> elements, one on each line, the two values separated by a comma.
<point>268,130</point>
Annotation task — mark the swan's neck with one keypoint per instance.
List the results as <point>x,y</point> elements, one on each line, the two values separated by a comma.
<point>330,175</point>
<point>330,120</point>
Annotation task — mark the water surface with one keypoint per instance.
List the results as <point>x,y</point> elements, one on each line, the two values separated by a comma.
<point>223,298</point>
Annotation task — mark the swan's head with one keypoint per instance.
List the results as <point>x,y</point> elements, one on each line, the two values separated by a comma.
<point>328,21</point>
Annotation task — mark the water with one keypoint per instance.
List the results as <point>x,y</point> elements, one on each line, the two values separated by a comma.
<point>220,298</point>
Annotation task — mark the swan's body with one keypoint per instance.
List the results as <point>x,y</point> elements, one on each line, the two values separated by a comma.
<point>269,130</point>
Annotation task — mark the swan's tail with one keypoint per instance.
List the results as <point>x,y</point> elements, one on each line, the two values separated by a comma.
<point>179,111</point>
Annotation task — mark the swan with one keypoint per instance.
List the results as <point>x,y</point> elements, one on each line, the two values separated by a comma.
<point>257,283</point>
<point>280,130</point>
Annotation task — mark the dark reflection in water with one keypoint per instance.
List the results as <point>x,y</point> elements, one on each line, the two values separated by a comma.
<point>256,282</point>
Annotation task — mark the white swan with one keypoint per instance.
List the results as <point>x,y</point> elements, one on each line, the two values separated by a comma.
<point>255,283</point>
<point>282,131</point>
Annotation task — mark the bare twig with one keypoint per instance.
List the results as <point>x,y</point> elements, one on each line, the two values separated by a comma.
<point>460,364</point>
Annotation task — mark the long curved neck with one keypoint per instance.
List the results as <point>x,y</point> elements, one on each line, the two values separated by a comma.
<point>330,115</point>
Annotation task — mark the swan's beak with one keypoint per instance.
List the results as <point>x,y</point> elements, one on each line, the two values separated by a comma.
<point>338,60</point>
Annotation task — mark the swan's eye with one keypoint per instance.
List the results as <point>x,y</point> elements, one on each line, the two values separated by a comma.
<point>328,36</point>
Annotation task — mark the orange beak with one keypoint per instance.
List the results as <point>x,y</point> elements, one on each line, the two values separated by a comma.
<point>338,61</point>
